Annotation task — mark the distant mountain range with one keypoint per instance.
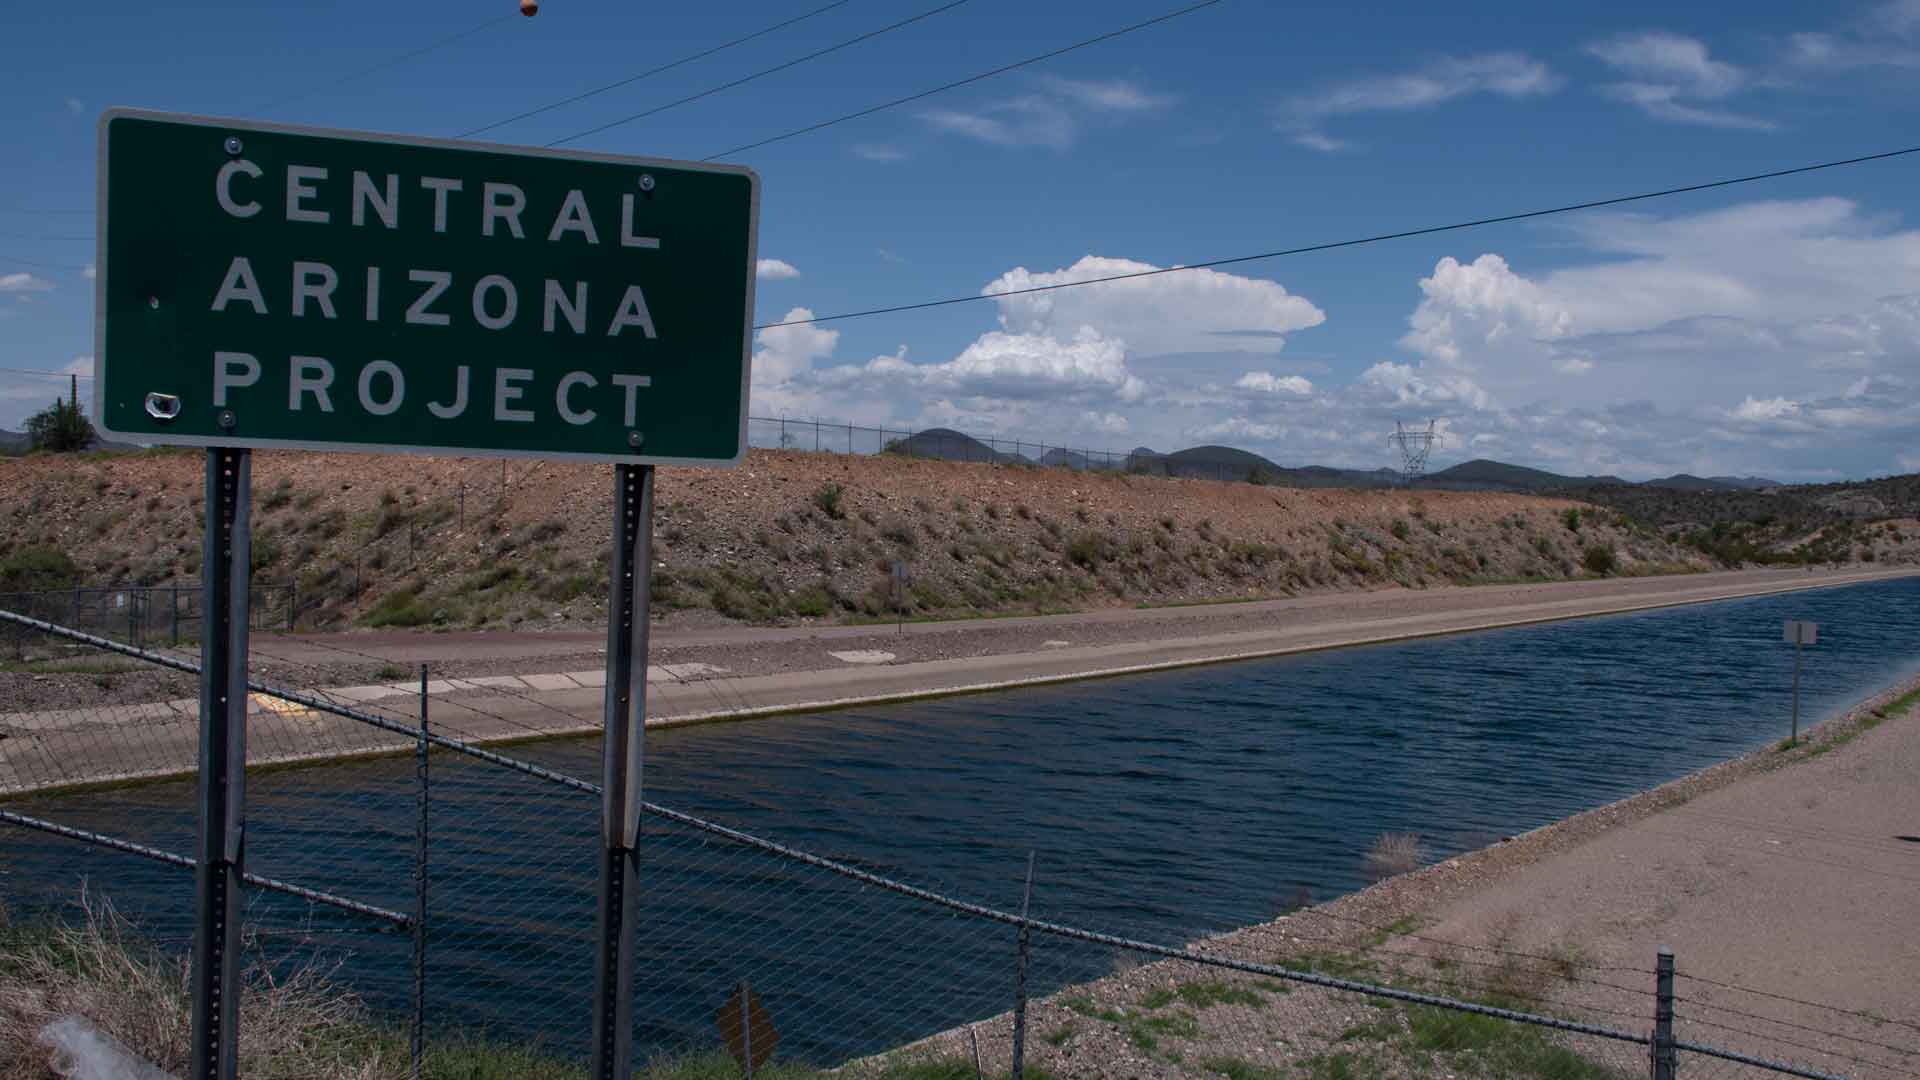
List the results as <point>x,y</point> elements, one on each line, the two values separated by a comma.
<point>1230,463</point>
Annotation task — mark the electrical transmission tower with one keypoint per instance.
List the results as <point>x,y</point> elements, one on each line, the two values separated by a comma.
<point>1415,444</point>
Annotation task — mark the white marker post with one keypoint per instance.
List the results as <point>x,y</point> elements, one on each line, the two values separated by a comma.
<point>1800,634</point>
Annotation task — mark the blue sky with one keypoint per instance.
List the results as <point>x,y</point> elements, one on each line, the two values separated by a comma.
<point>1770,329</point>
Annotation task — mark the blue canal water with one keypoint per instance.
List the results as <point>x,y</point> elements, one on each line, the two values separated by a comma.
<point>1165,806</point>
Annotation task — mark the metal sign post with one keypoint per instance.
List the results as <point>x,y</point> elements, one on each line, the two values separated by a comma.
<point>272,285</point>
<point>630,577</point>
<point>1800,634</point>
<point>220,859</point>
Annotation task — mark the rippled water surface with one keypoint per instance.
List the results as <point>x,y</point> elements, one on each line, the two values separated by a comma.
<point>1162,805</point>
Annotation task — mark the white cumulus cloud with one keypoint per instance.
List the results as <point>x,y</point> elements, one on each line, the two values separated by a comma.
<point>783,352</point>
<point>774,270</point>
<point>1266,382</point>
<point>23,282</point>
<point>1762,409</point>
<point>1087,366</point>
<point>1194,311</point>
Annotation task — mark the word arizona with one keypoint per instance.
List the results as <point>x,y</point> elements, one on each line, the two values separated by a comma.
<point>431,298</point>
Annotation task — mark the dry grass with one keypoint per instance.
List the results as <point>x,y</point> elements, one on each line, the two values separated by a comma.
<point>1395,853</point>
<point>294,1022</point>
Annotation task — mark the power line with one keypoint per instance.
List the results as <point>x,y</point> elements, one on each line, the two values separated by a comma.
<point>384,64</point>
<point>1404,234</point>
<point>53,374</point>
<point>1003,69</point>
<point>41,265</point>
<point>45,239</point>
<point>743,80</point>
<point>650,72</point>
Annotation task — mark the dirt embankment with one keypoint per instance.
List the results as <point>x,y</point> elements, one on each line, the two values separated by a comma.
<point>791,536</point>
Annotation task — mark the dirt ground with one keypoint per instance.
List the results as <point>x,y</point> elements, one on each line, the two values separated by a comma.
<point>788,537</point>
<point>1784,882</point>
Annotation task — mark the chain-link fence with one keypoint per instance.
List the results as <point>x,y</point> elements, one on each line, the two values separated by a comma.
<point>147,615</point>
<point>451,889</point>
<point>943,444</point>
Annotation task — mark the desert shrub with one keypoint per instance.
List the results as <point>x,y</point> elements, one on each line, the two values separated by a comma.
<point>61,427</point>
<point>1394,853</point>
<point>827,498</point>
<point>265,550</point>
<point>401,608</point>
<point>898,530</point>
<point>390,517</point>
<point>812,602</point>
<point>1090,549</point>
<point>1599,559</point>
<point>37,569</point>
<point>293,1022</point>
<point>1571,519</point>
<point>280,495</point>
<point>1400,530</point>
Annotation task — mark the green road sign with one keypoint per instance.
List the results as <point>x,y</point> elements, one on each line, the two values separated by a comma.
<point>274,286</point>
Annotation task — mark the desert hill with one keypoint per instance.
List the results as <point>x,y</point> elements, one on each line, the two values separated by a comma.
<point>788,535</point>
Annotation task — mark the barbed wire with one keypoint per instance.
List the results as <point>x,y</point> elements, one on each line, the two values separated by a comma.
<point>1522,954</point>
<point>1790,1042</point>
<point>1798,1001</point>
<point>1908,1051</point>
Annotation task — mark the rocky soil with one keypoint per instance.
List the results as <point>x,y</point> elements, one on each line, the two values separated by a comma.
<point>788,537</point>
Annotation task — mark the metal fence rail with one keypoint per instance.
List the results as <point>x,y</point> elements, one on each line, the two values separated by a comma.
<point>855,968</point>
<point>940,444</point>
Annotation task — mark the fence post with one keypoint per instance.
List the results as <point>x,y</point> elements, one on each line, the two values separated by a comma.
<point>175,636</point>
<point>746,1031</point>
<point>1664,1054</point>
<point>293,606</point>
<point>1020,980</point>
<point>418,1040</point>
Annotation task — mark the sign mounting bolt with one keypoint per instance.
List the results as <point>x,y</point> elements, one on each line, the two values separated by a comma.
<point>646,181</point>
<point>233,145</point>
<point>227,419</point>
<point>634,439</point>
